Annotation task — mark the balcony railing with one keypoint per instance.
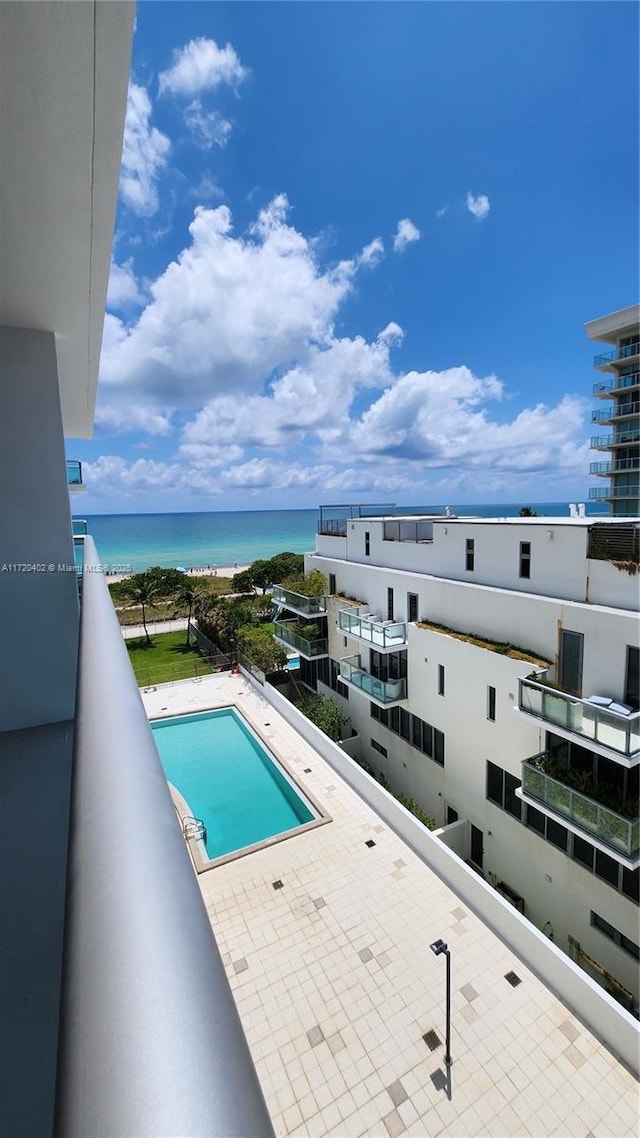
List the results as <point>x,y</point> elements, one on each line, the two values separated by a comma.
<point>382,634</point>
<point>308,606</point>
<point>150,1038</point>
<point>286,630</point>
<point>620,438</point>
<point>614,730</point>
<point>607,492</point>
<point>403,530</point>
<point>624,353</point>
<point>618,464</point>
<point>605,387</point>
<point>617,411</point>
<point>382,691</point>
<point>614,829</point>
<point>74,473</point>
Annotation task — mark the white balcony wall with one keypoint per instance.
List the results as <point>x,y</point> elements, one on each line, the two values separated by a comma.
<point>611,586</point>
<point>40,610</point>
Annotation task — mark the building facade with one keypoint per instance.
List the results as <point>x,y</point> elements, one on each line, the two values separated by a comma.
<point>619,385</point>
<point>490,669</point>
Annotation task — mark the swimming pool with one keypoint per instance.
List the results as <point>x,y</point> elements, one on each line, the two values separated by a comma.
<point>229,780</point>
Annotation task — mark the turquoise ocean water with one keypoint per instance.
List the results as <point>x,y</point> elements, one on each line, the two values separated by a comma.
<point>133,542</point>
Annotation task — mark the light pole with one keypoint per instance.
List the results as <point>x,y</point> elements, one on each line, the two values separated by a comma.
<point>438,947</point>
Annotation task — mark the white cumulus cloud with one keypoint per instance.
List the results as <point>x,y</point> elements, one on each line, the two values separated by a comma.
<point>202,66</point>
<point>372,253</point>
<point>123,290</point>
<point>479,206</point>
<point>207,128</point>
<point>406,234</point>
<point>145,150</point>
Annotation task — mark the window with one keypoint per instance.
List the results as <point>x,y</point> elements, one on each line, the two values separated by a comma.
<point>470,555</point>
<point>440,679</point>
<point>632,677</point>
<point>494,783</point>
<point>452,815</point>
<point>412,607</point>
<point>491,703</point>
<point>389,604</point>
<point>571,649</point>
<point>598,922</point>
<point>332,584</point>
<point>405,724</point>
<point>606,868</point>
<point>631,883</point>
<point>512,803</point>
<point>427,739</point>
<point>557,834</point>
<point>438,746</point>
<point>536,820</point>
<point>525,559</point>
<point>379,748</point>
<point>367,543</point>
<point>583,852</point>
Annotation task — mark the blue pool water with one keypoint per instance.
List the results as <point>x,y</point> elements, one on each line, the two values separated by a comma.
<point>228,780</point>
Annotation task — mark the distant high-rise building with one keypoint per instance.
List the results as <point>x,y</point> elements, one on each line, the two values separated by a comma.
<point>619,382</point>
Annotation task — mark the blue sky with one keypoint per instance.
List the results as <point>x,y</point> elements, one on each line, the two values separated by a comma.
<point>355,249</point>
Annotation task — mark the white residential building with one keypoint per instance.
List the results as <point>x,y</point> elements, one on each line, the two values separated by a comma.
<point>619,382</point>
<point>534,785</point>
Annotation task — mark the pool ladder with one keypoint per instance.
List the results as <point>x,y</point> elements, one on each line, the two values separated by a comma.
<point>193,828</point>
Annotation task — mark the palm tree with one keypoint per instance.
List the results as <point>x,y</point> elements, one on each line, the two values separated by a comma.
<point>143,590</point>
<point>186,599</point>
<point>527,512</point>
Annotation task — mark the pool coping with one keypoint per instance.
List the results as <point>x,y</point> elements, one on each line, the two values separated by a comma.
<point>202,863</point>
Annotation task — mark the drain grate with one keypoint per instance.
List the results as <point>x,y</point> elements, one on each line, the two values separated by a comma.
<point>370,843</point>
<point>307,770</point>
<point>513,979</point>
<point>432,1039</point>
<point>277,884</point>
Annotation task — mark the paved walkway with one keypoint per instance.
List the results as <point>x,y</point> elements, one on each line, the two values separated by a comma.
<point>325,939</point>
<point>155,628</point>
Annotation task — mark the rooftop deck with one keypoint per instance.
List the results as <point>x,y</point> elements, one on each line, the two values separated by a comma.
<point>336,986</point>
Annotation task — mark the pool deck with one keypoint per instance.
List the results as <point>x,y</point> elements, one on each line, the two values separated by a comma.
<point>336,986</point>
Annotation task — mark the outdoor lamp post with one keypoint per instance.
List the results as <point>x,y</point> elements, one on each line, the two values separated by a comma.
<point>438,947</point>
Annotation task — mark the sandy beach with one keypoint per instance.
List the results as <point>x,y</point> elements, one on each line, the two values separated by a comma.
<point>197,571</point>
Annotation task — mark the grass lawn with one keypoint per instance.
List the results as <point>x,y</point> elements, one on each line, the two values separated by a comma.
<point>167,658</point>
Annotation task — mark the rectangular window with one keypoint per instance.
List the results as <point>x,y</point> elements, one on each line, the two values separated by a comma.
<point>379,748</point>
<point>632,677</point>
<point>536,820</point>
<point>557,834</point>
<point>390,604</point>
<point>374,711</point>
<point>525,559</point>
<point>440,679</point>
<point>452,815</point>
<point>416,732</point>
<point>412,607</point>
<point>607,868</point>
<point>583,852</point>
<point>512,804</point>
<point>367,543</point>
<point>332,584</point>
<point>494,783</point>
<point>470,555</point>
<point>394,719</point>
<point>438,746</point>
<point>571,649</point>
<point>427,739</point>
<point>630,946</point>
<point>405,724</point>
<point>491,703</point>
<point>631,883</point>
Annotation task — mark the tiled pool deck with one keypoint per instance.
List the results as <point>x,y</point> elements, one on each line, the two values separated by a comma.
<point>336,985</point>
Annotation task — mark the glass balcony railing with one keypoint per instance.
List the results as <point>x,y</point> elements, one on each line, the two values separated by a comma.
<point>308,606</point>
<point>617,411</point>
<point>74,473</point>
<point>288,631</point>
<point>620,438</point>
<point>383,691</point>
<point>615,467</point>
<point>79,527</point>
<point>625,353</point>
<point>366,626</point>
<point>605,387</point>
<point>618,731</point>
<point>619,831</point>
<point>606,492</point>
